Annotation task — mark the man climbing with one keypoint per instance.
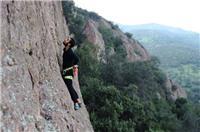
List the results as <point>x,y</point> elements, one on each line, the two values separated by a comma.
<point>70,69</point>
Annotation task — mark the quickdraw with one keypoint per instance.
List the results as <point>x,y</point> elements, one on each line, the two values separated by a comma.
<point>68,77</point>
<point>67,69</point>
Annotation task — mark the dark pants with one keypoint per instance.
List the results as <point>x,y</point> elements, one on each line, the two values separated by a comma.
<point>73,94</point>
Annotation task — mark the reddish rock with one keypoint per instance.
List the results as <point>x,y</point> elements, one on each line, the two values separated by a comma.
<point>33,94</point>
<point>95,37</point>
<point>135,51</point>
<point>174,91</point>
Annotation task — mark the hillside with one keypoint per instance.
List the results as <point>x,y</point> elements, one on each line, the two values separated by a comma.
<point>173,46</point>
<point>177,49</point>
<point>122,86</point>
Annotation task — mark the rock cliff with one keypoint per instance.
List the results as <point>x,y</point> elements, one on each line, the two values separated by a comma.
<point>33,94</point>
<point>134,50</point>
<point>174,91</point>
<point>95,37</point>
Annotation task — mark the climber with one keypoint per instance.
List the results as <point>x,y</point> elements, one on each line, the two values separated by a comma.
<point>70,69</point>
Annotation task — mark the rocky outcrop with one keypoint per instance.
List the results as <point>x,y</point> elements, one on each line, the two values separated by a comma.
<point>174,91</point>
<point>95,37</point>
<point>33,94</point>
<point>135,51</point>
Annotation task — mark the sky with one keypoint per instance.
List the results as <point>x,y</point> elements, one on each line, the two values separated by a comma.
<point>184,14</point>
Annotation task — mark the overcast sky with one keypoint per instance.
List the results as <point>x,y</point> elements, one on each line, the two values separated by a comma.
<point>177,13</point>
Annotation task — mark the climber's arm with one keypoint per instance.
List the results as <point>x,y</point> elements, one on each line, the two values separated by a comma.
<point>75,67</point>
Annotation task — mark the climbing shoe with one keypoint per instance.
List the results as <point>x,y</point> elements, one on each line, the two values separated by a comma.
<point>77,106</point>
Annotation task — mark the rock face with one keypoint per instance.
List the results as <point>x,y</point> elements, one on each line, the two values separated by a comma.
<point>34,96</point>
<point>174,91</point>
<point>95,37</point>
<point>135,51</point>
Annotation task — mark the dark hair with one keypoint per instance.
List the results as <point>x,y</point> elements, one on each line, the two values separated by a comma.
<point>72,42</point>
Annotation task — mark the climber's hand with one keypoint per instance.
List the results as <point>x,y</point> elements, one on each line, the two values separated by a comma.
<point>75,69</point>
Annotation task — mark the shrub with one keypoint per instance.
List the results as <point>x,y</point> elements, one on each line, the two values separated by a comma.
<point>129,35</point>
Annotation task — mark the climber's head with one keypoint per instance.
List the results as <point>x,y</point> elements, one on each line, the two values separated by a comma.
<point>69,42</point>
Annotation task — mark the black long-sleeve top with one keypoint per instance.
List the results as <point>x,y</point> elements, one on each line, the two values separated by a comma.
<point>69,59</point>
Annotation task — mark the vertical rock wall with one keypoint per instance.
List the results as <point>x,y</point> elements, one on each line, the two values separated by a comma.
<point>33,94</point>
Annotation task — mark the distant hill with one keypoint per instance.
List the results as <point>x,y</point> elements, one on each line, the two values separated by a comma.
<point>173,46</point>
<point>177,49</point>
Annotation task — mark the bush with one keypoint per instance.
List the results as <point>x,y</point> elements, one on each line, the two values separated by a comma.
<point>75,20</point>
<point>112,42</point>
<point>88,65</point>
<point>123,94</point>
<point>129,35</point>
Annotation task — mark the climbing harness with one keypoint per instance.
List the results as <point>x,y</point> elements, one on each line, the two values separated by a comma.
<point>68,77</point>
<point>75,71</point>
<point>64,72</point>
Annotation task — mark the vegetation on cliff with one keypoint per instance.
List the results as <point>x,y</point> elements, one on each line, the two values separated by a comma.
<point>123,96</point>
<point>178,51</point>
